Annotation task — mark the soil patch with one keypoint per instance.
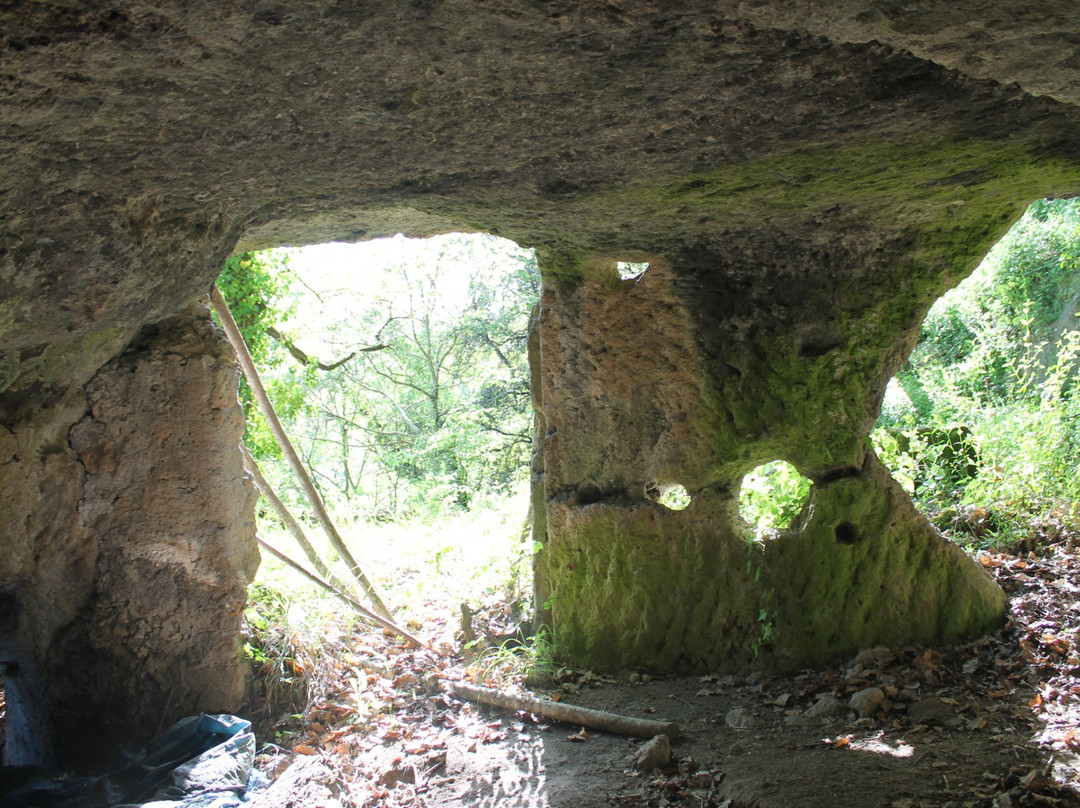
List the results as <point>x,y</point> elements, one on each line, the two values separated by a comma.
<point>990,723</point>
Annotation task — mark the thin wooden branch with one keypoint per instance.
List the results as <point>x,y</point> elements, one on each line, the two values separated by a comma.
<point>252,468</point>
<point>247,365</point>
<point>305,359</point>
<point>567,713</point>
<point>355,604</point>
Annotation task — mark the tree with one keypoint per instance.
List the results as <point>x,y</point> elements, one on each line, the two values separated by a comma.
<point>439,413</point>
<point>1000,355</point>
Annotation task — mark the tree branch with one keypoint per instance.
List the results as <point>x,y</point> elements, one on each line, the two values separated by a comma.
<point>304,359</point>
<point>568,713</point>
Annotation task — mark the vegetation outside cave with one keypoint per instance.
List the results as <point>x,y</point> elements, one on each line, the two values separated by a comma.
<point>400,372</point>
<point>982,426</point>
<point>331,676</point>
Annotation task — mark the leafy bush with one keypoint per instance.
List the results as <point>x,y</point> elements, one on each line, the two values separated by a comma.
<point>772,496</point>
<point>256,286</point>
<point>1000,355</point>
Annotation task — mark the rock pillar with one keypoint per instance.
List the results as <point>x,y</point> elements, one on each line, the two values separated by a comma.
<point>133,524</point>
<point>693,374</point>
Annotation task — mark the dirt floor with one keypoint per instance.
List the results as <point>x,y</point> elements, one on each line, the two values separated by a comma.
<point>994,722</point>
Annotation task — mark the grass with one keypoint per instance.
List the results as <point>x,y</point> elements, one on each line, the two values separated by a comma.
<point>298,637</point>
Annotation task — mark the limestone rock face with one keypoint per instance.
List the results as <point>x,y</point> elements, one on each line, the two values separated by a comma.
<point>138,549</point>
<point>804,181</point>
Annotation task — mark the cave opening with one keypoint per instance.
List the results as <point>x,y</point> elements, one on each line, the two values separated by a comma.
<point>399,368</point>
<point>982,424</point>
<point>772,496</point>
<point>400,364</point>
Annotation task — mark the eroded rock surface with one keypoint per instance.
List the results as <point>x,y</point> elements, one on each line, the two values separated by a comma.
<point>804,184</point>
<point>139,543</point>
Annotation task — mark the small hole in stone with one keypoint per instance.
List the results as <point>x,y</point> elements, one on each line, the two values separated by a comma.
<point>674,497</point>
<point>846,533</point>
<point>630,271</point>
<point>772,496</point>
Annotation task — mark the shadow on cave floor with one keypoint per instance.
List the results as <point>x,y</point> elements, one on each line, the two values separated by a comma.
<point>993,722</point>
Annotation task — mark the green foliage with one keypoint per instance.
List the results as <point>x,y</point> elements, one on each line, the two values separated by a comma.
<point>431,411</point>
<point>256,287</point>
<point>532,661</point>
<point>1001,355</point>
<point>280,651</point>
<point>766,619</point>
<point>675,498</point>
<point>772,496</point>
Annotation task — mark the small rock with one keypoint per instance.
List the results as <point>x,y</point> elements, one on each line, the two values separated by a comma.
<point>391,777</point>
<point>866,701</point>
<point>653,754</point>
<point>854,672</point>
<point>929,709</point>
<point>877,657</point>
<point>635,678</point>
<point>700,780</point>
<point>755,678</point>
<point>739,718</point>
<point>826,707</point>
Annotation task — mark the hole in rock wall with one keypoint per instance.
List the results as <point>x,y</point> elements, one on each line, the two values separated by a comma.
<point>982,424</point>
<point>772,496</point>
<point>846,533</point>
<point>399,369</point>
<point>631,270</point>
<point>673,496</point>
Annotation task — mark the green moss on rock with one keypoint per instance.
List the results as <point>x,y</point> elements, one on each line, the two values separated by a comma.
<point>643,587</point>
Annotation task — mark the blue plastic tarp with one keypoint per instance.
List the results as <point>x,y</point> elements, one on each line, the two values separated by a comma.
<point>204,761</point>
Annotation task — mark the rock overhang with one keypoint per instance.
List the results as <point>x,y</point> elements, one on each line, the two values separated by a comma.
<point>804,185</point>
<point>581,130</point>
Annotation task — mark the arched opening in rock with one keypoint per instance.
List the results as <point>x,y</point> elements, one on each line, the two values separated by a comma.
<point>982,424</point>
<point>631,270</point>
<point>399,368</point>
<point>674,497</point>
<point>772,496</point>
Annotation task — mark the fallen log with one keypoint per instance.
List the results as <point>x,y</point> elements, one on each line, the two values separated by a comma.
<point>567,713</point>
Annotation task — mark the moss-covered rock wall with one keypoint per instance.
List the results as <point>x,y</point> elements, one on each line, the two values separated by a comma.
<point>804,181</point>
<point>642,390</point>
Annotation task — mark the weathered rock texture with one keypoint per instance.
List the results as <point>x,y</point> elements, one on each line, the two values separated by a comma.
<point>134,542</point>
<point>804,180</point>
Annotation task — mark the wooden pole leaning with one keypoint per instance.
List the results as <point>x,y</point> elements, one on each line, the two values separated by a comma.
<point>247,365</point>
